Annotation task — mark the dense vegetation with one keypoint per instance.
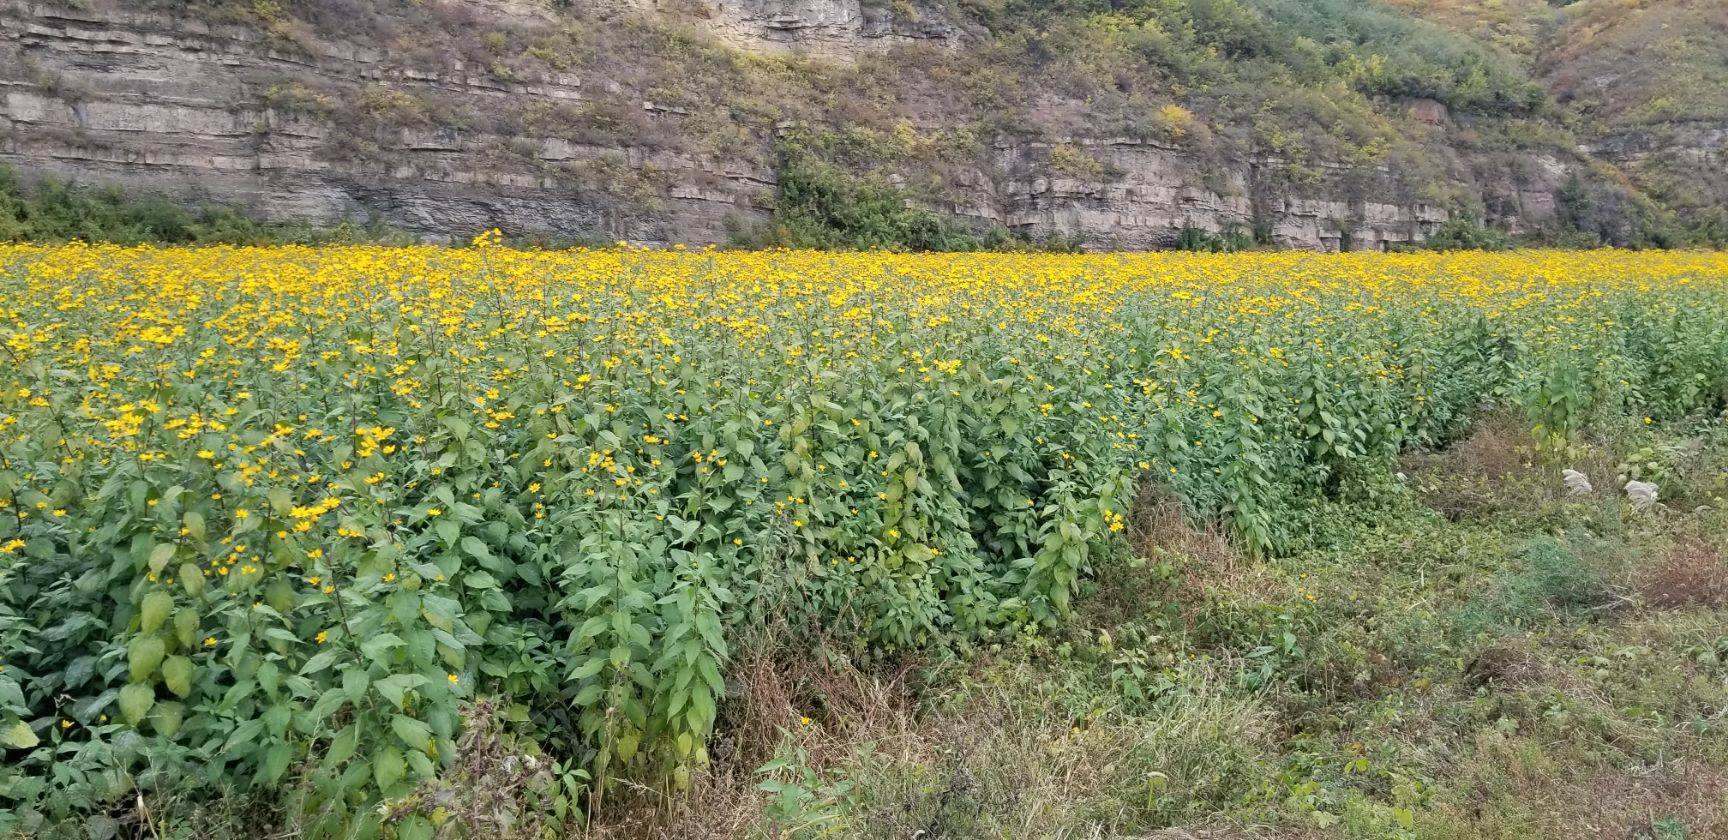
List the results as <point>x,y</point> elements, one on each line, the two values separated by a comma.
<point>1372,49</point>
<point>322,527</point>
<point>818,207</point>
<point>50,210</point>
<point>1473,653</point>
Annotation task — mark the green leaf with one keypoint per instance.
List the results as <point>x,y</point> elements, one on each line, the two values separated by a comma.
<point>191,579</point>
<point>412,732</point>
<point>329,702</point>
<point>135,702</point>
<point>155,609</point>
<point>354,681</point>
<point>194,522</point>
<point>396,686</point>
<point>243,734</point>
<point>280,500</point>
<point>12,695</point>
<point>269,676</point>
<point>167,718</point>
<point>177,675</point>
<point>415,827</point>
<point>342,746</point>
<point>143,655</point>
<point>186,626</point>
<point>280,595</point>
<point>448,530</point>
<point>275,761</point>
<point>320,661</point>
<point>477,549</point>
<point>18,735</point>
<point>388,768</point>
<point>588,668</point>
<point>421,764</point>
<point>378,645</point>
<point>159,557</point>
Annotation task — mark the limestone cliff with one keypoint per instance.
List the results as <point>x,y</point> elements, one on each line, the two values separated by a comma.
<point>293,117</point>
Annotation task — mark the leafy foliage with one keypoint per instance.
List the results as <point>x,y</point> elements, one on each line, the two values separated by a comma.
<point>1465,233</point>
<point>56,211</point>
<point>819,206</point>
<point>1378,51</point>
<point>269,517</point>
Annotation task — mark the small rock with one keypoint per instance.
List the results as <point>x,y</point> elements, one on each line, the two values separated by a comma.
<point>1577,483</point>
<point>1642,494</point>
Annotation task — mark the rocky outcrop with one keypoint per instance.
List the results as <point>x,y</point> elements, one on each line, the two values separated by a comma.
<point>1686,160</point>
<point>829,29</point>
<point>203,110</point>
<point>1152,193</point>
<point>188,108</point>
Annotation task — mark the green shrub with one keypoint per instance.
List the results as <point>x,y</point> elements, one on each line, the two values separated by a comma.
<point>1232,238</point>
<point>52,210</point>
<point>1549,578</point>
<point>819,206</point>
<point>1467,233</point>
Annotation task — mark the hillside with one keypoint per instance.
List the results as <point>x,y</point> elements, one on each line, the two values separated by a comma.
<point>1643,84</point>
<point>1338,124</point>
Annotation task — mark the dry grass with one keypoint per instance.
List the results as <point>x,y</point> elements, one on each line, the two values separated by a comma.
<point>1184,559</point>
<point>495,789</point>
<point>783,689</point>
<point>1508,662</point>
<point>1690,793</point>
<point>1518,789</point>
<point>1494,470</point>
<point>1692,573</point>
<point>1013,756</point>
<point>1014,748</point>
<point>1160,526</point>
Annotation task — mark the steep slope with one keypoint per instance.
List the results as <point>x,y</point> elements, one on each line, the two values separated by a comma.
<point>1321,124</point>
<point>1643,83</point>
<point>1650,81</point>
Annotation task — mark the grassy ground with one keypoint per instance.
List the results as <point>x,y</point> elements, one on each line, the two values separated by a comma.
<point>1471,653</point>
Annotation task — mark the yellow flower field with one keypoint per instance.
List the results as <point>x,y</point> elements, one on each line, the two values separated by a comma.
<point>280,510</point>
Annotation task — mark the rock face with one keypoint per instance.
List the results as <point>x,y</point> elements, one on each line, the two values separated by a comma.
<point>1692,154</point>
<point>832,29</point>
<point>203,110</point>
<point>1153,193</point>
<point>151,101</point>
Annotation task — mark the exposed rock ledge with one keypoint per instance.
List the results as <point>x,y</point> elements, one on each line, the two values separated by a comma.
<point>167,103</point>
